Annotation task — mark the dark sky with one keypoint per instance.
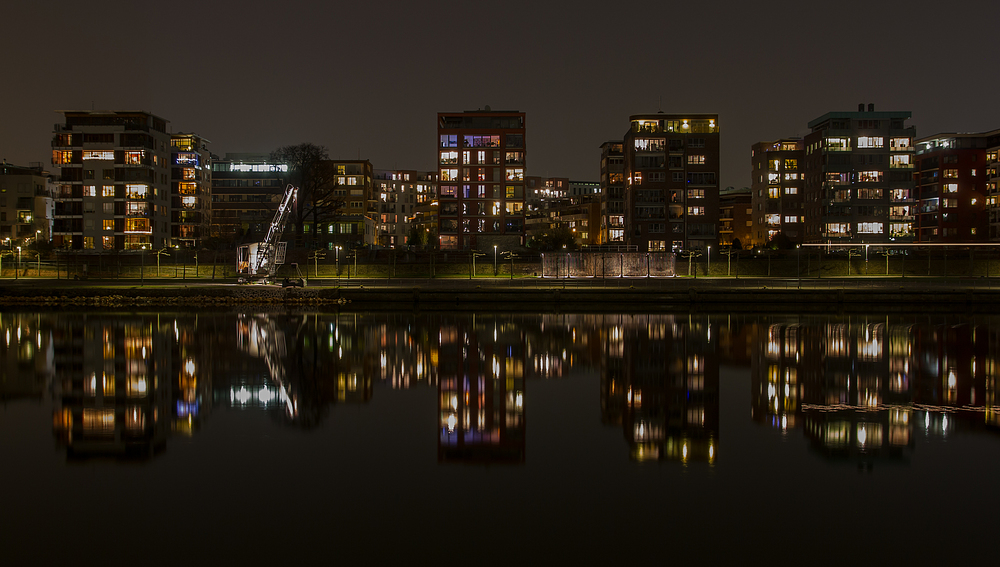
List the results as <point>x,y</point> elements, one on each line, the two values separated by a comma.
<point>370,77</point>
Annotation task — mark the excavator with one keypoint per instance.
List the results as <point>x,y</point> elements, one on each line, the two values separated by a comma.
<point>257,262</point>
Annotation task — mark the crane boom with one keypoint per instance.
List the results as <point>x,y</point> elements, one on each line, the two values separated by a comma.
<point>268,250</point>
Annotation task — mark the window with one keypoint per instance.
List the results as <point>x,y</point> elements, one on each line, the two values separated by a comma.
<point>696,193</point>
<point>482,141</point>
<point>791,177</point>
<point>136,191</point>
<point>791,190</point>
<point>950,187</point>
<point>869,193</point>
<point>869,176</point>
<point>650,144</point>
<point>773,177</point>
<point>107,224</point>
<point>899,194</point>
<point>949,203</point>
<point>104,155</point>
<point>869,228</point>
<point>696,159</point>
<point>837,229</point>
<point>108,191</point>
<point>772,219</point>
<point>901,161</point>
<point>773,192</point>
<point>870,141</point>
<point>109,174</point>
<point>515,174</point>
<point>696,210</point>
<point>135,158</point>
<point>88,243</point>
<point>838,144</point>
<point>899,144</point>
<point>449,140</point>
<point>89,191</point>
<point>449,175</point>
<point>791,219</point>
<point>949,173</point>
<point>108,242</point>
<point>791,163</point>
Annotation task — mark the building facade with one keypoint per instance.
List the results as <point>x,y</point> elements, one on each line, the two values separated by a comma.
<point>777,192</point>
<point>114,183</point>
<point>351,220</point>
<point>952,187</point>
<point>859,184</point>
<point>671,173</point>
<point>246,191</point>
<point>398,193</point>
<point>612,193</point>
<point>482,157</point>
<point>190,190</point>
<point>736,213</point>
<point>26,205</point>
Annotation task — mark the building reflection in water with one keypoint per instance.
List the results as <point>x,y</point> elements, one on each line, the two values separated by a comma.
<point>863,388</point>
<point>858,388</point>
<point>481,389</point>
<point>660,384</point>
<point>113,385</point>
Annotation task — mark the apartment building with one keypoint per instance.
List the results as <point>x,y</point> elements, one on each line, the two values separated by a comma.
<point>482,156</point>
<point>736,213</point>
<point>113,191</point>
<point>26,205</point>
<point>993,190</point>
<point>859,184</point>
<point>190,190</point>
<point>671,172</point>
<point>398,194</point>
<point>777,193</point>
<point>612,193</point>
<point>952,187</point>
<point>347,212</point>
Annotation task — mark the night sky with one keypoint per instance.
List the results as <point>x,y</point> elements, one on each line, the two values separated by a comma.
<point>369,78</point>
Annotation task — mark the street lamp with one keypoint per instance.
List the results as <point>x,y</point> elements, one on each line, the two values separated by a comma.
<point>338,261</point>
<point>18,262</point>
<point>708,268</point>
<point>495,260</point>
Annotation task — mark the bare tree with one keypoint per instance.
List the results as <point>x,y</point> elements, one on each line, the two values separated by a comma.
<point>318,199</point>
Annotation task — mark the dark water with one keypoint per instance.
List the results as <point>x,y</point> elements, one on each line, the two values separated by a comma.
<point>493,438</point>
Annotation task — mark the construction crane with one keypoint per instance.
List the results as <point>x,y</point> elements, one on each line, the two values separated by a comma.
<point>257,262</point>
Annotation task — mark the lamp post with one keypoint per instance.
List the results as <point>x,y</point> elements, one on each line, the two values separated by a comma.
<point>495,271</point>
<point>338,262</point>
<point>866,259</point>
<point>18,268</point>
<point>708,267</point>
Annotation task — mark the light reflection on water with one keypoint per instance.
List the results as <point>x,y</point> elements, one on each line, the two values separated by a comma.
<point>869,391</point>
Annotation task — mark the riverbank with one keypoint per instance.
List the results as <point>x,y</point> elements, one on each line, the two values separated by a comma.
<point>727,295</point>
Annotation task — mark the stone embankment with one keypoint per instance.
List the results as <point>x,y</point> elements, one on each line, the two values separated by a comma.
<point>456,295</point>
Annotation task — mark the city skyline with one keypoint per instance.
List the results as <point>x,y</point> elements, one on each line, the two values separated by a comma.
<point>577,74</point>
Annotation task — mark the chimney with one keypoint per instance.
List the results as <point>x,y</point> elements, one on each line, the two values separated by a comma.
<point>871,107</point>
<point>861,107</point>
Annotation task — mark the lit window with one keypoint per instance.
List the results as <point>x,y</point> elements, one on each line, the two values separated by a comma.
<point>869,176</point>
<point>838,144</point>
<point>106,155</point>
<point>870,141</point>
<point>898,144</point>
<point>108,191</point>
<point>696,211</point>
<point>791,190</point>
<point>449,175</point>
<point>108,224</point>
<point>696,159</point>
<point>89,191</point>
<point>870,228</point>
<point>951,187</point>
<point>772,219</point>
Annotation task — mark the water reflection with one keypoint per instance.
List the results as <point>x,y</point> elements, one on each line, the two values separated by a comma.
<point>863,388</point>
<point>858,389</point>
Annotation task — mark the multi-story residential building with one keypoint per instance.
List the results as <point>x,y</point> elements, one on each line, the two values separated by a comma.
<point>736,216</point>
<point>671,181</point>
<point>859,184</point>
<point>25,204</point>
<point>993,190</point>
<point>482,156</point>
<point>190,190</point>
<point>397,196</point>
<point>952,187</point>
<point>353,222</point>
<point>612,193</point>
<point>114,184</point>
<point>776,189</point>
<point>246,191</point>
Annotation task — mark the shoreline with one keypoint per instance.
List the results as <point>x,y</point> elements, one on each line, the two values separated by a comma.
<point>531,295</point>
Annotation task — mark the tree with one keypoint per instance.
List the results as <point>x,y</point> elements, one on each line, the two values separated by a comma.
<point>780,241</point>
<point>737,244</point>
<point>318,201</point>
<point>554,239</point>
